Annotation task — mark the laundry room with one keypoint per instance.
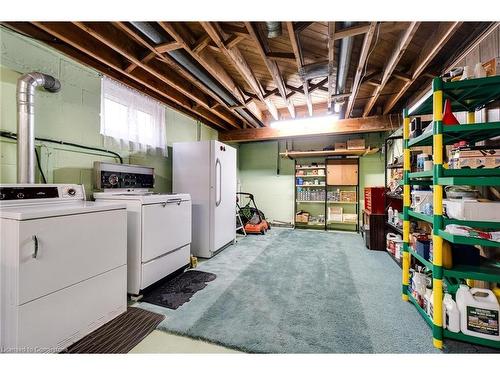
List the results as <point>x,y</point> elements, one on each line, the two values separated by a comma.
<point>232,187</point>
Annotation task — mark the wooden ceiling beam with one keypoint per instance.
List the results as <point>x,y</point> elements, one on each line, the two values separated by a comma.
<point>236,30</point>
<point>331,56</point>
<point>166,47</point>
<point>393,61</point>
<point>235,57</point>
<point>352,31</point>
<point>367,41</point>
<point>78,55</point>
<point>166,76</point>
<point>215,69</point>
<point>346,126</point>
<point>272,66</point>
<point>281,56</point>
<point>431,48</point>
<point>186,89</point>
<point>75,39</point>
<point>299,26</point>
<point>294,39</point>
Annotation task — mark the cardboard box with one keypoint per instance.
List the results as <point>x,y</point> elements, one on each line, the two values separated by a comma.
<point>472,210</point>
<point>492,67</point>
<point>302,218</point>
<point>335,213</point>
<point>340,146</point>
<point>348,196</point>
<point>350,218</point>
<point>356,144</point>
<point>474,158</point>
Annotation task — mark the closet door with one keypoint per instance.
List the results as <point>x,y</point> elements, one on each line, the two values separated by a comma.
<point>342,172</point>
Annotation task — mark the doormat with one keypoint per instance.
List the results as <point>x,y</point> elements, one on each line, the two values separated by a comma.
<point>119,335</point>
<point>175,292</point>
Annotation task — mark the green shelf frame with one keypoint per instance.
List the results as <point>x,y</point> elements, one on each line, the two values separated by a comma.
<point>421,311</point>
<point>420,258</point>
<point>463,240</point>
<point>453,133</point>
<point>468,95</point>
<point>420,216</point>
<point>487,271</point>
<point>471,339</point>
<point>423,174</point>
<point>473,224</point>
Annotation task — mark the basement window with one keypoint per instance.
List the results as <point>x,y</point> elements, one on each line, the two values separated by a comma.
<point>131,120</point>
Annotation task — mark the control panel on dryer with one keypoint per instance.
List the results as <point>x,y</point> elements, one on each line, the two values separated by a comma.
<point>123,176</point>
<point>17,192</point>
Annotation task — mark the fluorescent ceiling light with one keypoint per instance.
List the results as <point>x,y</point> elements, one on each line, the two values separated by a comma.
<point>306,124</point>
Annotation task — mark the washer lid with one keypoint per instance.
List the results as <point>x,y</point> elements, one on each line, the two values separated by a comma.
<point>144,198</point>
<point>39,211</point>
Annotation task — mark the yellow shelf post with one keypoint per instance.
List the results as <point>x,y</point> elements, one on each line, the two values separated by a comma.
<point>437,241</point>
<point>406,205</point>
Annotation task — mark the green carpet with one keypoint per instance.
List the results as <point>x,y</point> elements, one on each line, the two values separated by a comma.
<point>300,291</point>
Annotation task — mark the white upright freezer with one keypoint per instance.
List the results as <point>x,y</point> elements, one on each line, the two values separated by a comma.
<point>207,171</point>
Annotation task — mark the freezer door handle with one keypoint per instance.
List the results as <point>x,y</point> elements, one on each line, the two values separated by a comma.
<point>175,200</point>
<point>35,251</point>
<point>218,185</point>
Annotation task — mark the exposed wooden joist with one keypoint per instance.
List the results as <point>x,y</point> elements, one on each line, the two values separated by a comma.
<point>272,66</point>
<point>74,53</point>
<point>367,41</point>
<point>236,30</point>
<point>402,76</point>
<point>63,32</point>
<point>181,85</point>
<point>434,44</point>
<point>144,60</point>
<point>201,43</point>
<point>167,76</point>
<point>233,41</point>
<point>167,47</point>
<point>331,56</point>
<point>300,90</point>
<point>299,26</point>
<point>346,126</point>
<point>236,58</point>
<point>393,61</point>
<point>214,68</point>
<point>352,31</point>
<point>294,39</point>
<point>281,56</point>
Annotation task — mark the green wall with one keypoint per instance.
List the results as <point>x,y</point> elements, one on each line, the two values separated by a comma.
<point>72,115</point>
<point>258,164</point>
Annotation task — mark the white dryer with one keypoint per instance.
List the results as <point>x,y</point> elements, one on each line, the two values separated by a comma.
<point>159,225</point>
<point>63,266</point>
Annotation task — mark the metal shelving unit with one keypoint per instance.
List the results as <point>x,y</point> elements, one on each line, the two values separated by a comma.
<point>468,95</point>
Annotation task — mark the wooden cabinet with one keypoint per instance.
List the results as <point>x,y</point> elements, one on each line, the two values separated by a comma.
<point>342,172</point>
<point>373,229</point>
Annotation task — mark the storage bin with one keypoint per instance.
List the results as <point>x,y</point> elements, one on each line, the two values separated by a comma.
<point>340,146</point>
<point>350,218</point>
<point>335,213</point>
<point>463,209</point>
<point>348,196</point>
<point>374,200</point>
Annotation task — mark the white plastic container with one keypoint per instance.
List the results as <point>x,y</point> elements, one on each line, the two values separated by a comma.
<point>451,315</point>
<point>390,215</point>
<point>479,312</point>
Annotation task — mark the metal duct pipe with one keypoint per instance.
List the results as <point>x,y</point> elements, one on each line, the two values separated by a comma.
<point>182,58</point>
<point>273,29</point>
<point>344,60</point>
<point>26,85</point>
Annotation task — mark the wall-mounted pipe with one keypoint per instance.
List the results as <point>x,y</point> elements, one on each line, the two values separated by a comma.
<point>26,85</point>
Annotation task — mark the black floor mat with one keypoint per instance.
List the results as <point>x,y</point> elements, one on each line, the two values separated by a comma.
<point>179,290</point>
<point>119,335</point>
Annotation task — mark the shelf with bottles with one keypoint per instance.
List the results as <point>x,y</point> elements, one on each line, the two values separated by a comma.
<point>454,252</point>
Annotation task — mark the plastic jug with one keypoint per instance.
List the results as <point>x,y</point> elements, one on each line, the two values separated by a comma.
<point>390,215</point>
<point>478,313</point>
<point>451,315</point>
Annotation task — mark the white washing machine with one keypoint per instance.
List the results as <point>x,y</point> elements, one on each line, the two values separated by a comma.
<point>63,266</point>
<point>159,225</point>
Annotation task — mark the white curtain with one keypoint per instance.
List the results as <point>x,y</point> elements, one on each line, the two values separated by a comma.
<point>131,120</point>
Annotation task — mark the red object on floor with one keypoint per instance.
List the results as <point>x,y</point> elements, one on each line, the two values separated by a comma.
<point>448,116</point>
